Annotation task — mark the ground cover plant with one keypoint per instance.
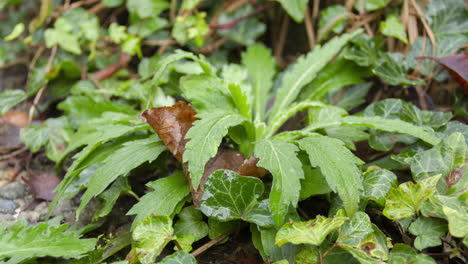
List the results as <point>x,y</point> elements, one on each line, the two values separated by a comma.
<point>235,131</point>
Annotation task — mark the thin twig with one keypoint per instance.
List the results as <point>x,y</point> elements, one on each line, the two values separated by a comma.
<point>210,243</point>
<point>13,154</point>
<point>161,42</point>
<point>282,39</point>
<point>309,28</point>
<point>42,90</point>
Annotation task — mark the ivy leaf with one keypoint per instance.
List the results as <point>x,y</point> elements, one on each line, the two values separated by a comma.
<point>377,183</point>
<point>392,71</point>
<point>191,223</point>
<point>246,31</point>
<point>456,211</point>
<point>280,159</point>
<point>150,236</point>
<point>393,27</point>
<point>179,257</point>
<point>353,96</point>
<point>167,193</point>
<point>338,165</point>
<point>314,183</point>
<point>332,18</point>
<point>428,232</point>
<point>295,8</point>
<point>228,196</point>
<point>21,241</point>
<point>441,159</point>
<point>205,137</point>
<point>406,200</point>
<point>312,232</point>
<point>305,70</point>
<point>402,253</point>
<point>260,65</point>
<point>131,155</point>
<point>355,230</point>
<point>54,133</point>
<point>10,98</point>
<point>147,8</point>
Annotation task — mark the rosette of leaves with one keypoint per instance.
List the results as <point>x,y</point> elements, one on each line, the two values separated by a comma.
<point>236,107</point>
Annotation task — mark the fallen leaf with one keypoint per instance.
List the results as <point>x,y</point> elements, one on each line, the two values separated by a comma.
<point>457,66</point>
<point>16,118</point>
<point>42,185</point>
<point>171,124</point>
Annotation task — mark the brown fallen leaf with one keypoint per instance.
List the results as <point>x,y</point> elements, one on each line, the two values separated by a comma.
<point>16,118</point>
<point>42,185</point>
<point>172,123</point>
<point>456,65</point>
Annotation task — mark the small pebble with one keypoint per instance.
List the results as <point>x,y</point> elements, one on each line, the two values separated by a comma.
<point>13,191</point>
<point>7,206</point>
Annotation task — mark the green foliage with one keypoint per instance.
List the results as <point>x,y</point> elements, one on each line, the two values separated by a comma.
<point>10,98</point>
<point>167,193</point>
<point>150,236</point>
<point>406,200</point>
<point>21,242</point>
<point>280,159</point>
<point>339,167</point>
<point>295,8</point>
<point>228,197</point>
<point>311,232</point>
<point>393,27</point>
<point>179,257</point>
<point>428,232</point>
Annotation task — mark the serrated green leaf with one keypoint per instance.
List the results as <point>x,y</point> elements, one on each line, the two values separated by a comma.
<point>167,193</point>
<point>241,99</point>
<point>260,65</point>
<point>205,137</point>
<point>131,155</point>
<point>393,72</point>
<point>334,76</point>
<point>276,122</point>
<point>150,236</point>
<point>20,241</point>
<point>402,253</point>
<point>393,27</point>
<point>305,70</point>
<point>10,98</point>
<point>314,183</point>
<point>441,159</point>
<point>355,230</point>
<point>179,257</point>
<point>191,222</point>
<point>109,197</point>
<point>295,8</point>
<point>280,159</point>
<point>338,165</point>
<point>196,87</point>
<point>428,232</point>
<point>311,232</point>
<point>406,200</point>
<point>228,196</point>
<point>393,125</point>
<point>64,39</point>
<point>377,183</point>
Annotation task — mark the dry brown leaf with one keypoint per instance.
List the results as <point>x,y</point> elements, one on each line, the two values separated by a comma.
<point>249,168</point>
<point>16,118</point>
<point>42,185</point>
<point>171,124</point>
<point>457,66</point>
